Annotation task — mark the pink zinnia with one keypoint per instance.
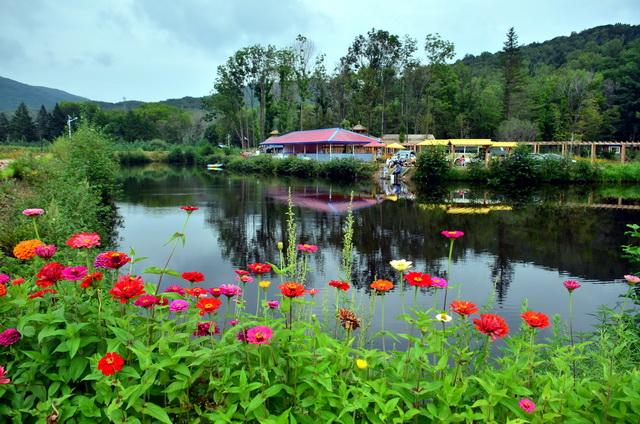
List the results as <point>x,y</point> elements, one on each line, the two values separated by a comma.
<point>4,278</point>
<point>438,282</point>
<point>273,304</point>
<point>259,335</point>
<point>46,251</point>
<point>241,272</point>
<point>9,337</point>
<point>230,290</point>
<point>313,292</point>
<point>307,248</point>
<point>74,273</point>
<point>33,212</point>
<point>571,285</point>
<point>111,260</point>
<point>86,240</point>
<point>146,301</point>
<point>631,279</point>
<point>233,322</point>
<point>452,234</point>
<point>174,289</point>
<point>3,376</point>
<point>527,405</point>
<point>179,305</point>
<point>244,279</point>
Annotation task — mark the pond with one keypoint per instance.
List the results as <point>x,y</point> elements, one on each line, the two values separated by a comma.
<point>516,247</point>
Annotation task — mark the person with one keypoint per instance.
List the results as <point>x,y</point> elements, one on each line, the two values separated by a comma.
<point>462,160</point>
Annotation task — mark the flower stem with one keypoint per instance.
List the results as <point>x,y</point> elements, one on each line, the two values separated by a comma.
<point>384,349</point>
<point>446,289</point>
<point>35,228</point>
<point>571,332</point>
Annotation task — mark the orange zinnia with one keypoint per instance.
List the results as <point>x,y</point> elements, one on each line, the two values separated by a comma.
<point>26,249</point>
<point>291,289</point>
<point>208,305</point>
<point>462,307</point>
<point>535,319</point>
<point>382,286</point>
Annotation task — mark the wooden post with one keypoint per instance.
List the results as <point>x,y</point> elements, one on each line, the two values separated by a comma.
<point>329,151</point>
<point>623,153</point>
<point>593,152</point>
<point>564,150</point>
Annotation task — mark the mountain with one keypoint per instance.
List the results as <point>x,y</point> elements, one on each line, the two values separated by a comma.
<point>186,103</point>
<point>12,93</point>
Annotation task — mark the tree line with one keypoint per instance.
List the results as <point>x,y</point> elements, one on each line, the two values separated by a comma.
<point>584,86</point>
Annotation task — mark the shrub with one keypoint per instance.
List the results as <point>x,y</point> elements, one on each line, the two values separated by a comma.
<point>175,156</point>
<point>432,166</point>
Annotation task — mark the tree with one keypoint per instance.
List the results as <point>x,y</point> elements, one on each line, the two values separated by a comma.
<point>512,73</point>
<point>43,122</point>
<point>4,128</point>
<point>57,123</point>
<point>515,129</point>
<point>22,126</point>
<point>303,51</point>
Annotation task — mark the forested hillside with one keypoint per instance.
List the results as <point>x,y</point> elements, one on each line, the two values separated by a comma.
<point>12,93</point>
<point>582,86</point>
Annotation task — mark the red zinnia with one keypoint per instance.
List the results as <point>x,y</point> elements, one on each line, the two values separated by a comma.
<point>111,260</point>
<point>110,363</point>
<point>492,325</point>
<point>86,240</point>
<point>17,281</point>
<point>51,272</point>
<point>127,288</point>
<point>307,248</point>
<point>41,293</point>
<point>146,301</point>
<point>196,291</point>
<point>259,268</point>
<point>462,307</point>
<point>90,279</point>
<point>418,279</point>
<point>291,289</point>
<point>340,285</point>
<point>208,305</point>
<point>241,272</point>
<point>188,208</point>
<point>3,290</point>
<point>535,319</point>
<point>193,277</point>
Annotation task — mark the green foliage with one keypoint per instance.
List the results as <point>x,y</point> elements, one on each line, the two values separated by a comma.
<point>432,166</point>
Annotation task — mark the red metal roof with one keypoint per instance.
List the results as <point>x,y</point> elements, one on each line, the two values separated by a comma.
<point>374,144</point>
<point>322,136</point>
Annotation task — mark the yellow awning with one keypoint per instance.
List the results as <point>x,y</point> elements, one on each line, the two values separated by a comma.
<point>508,144</point>
<point>394,146</point>
<point>471,142</point>
<point>433,143</point>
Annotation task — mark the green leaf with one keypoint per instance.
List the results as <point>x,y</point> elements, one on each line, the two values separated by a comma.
<point>156,412</point>
<point>73,344</point>
<point>160,271</point>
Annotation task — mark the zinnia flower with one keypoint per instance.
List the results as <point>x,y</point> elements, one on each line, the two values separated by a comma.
<point>571,285</point>
<point>215,291</point>
<point>41,293</point>
<point>208,305</point>
<point>443,317</point>
<point>4,278</point>
<point>111,260</point>
<point>74,273</point>
<point>348,319</point>
<point>241,272</point>
<point>245,279</point>
<point>84,240</point>
<point>3,290</point>
<point>193,277</point>
<point>362,363</point>
<point>10,336</point>
<point>452,234</point>
<point>49,274</point>
<point>340,285</point>
<point>439,283</point>
<point>233,322</point>
<point>381,286</point>
<point>127,288</point>
<point>632,279</point>
<point>463,308</point>
<point>259,335</point>
<point>273,304</point>
<point>230,290</point>
<point>3,376</point>
<point>146,301</point>
<point>418,279</point>
<point>90,279</point>
<point>189,209</point>
<point>259,268</point>
<point>313,292</point>
<point>196,291</point>
<point>492,325</point>
<point>110,363</point>
<point>33,212</point>
<point>307,248</point>
<point>17,281</point>
<point>535,319</point>
<point>401,265</point>
<point>178,305</point>
<point>291,289</point>
<point>26,249</point>
<point>264,284</point>
<point>527,405</point>
<point>46,251</point>
<point>204,329</point>
<point>174,289</point>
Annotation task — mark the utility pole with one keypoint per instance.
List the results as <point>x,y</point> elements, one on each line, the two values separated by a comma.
<point>69,121</point>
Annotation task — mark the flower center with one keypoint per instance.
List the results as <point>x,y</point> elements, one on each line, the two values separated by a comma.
<point>259,336</point>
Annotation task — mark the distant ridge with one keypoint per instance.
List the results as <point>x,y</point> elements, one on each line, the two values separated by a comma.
<point>12,93</point>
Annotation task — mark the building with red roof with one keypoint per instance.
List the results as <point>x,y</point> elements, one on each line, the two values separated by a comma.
<point>322,144</point>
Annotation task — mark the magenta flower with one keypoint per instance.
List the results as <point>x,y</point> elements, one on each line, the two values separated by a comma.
<point>146,301</point>
<point>273,304</point>
<point>242,335</point>
<point>233,322</point>
<point>527,405</point>
<point>439,283</point>
<point>9,336</point>
<point>307,248</point>
<point>3,376</point>
<point>33,212</point>
<point>230,290</point>
<point>46,251</point>
<point>632,279</point>
<point>452,234</point>
<point>4,278</point>
<point>175,289</point>
<point>74,273</point>
<point>178,305</point>
<point>204,329</point>
<point>259,335</point>
<point>571,285</point>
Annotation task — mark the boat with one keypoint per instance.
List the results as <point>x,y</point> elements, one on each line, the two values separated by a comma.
<point>214,165</point>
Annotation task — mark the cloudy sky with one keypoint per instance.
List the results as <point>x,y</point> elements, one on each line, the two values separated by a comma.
<point>157,49</point>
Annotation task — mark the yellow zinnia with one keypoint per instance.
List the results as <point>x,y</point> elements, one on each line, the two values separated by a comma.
<point>264,284</point>
<point>362,363</point>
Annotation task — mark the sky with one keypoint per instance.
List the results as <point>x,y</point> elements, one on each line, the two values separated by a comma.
<point>152,50</point>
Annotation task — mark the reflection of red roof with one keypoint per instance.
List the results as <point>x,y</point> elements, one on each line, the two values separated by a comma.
<point>321,201</point>
<point>323,136</point>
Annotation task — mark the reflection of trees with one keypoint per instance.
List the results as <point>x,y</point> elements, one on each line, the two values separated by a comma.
<point>502,269</point>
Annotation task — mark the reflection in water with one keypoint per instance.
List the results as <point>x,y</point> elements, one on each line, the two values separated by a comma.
<point>525,242</point>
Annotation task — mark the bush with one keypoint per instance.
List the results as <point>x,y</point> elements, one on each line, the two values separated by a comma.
<point>517,169</point>
<point>175,156</point>
<point>295,167</point>
<point>432,166</point>
<point>345,170</point>
<point>133,157</point>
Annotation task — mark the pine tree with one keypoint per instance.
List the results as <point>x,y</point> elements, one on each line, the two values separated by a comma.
<point>22,126</point>
<point>512,73</point>
<point>43,122</point>
<point>57,123</point>
<point>4,128</point>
